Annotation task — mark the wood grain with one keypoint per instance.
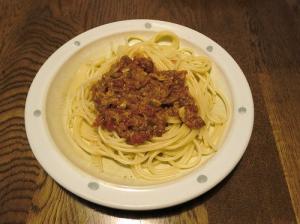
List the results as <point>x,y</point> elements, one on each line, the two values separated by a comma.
<point>262,36</point>
<point>287,140</point>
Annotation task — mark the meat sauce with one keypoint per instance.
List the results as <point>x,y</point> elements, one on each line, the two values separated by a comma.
<point>134,99</point>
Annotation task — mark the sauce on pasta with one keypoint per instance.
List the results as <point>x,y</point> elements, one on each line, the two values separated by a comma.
<point>135,100</point>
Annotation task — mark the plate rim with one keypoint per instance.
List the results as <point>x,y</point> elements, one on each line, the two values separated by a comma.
<point>75,180</point>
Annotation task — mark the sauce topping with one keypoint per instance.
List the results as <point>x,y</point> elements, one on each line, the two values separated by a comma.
<point>134,100</point>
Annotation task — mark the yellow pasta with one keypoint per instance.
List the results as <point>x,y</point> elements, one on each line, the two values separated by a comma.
<point>179,148</point>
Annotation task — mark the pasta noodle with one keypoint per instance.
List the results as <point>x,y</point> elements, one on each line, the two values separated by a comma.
<point>179,148</point>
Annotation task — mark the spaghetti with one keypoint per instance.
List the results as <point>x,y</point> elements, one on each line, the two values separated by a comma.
<point>180,147</point>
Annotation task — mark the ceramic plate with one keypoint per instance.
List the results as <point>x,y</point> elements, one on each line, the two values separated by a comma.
<point>53,148</point>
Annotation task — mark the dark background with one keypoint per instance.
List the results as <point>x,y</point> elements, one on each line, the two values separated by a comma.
<point>262,36</point>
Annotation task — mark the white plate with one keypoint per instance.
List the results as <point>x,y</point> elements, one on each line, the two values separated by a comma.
<point>47,149</point>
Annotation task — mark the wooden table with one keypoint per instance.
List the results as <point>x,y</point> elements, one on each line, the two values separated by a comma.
<point>262,36</point>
